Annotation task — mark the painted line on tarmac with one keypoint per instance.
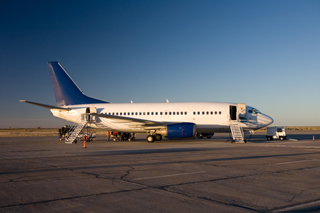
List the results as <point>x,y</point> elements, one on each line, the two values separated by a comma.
<point>164,176</point>
<point>299,161</point>
<point>292,146</point>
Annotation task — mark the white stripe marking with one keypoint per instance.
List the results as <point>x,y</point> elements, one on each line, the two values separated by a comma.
<point>163,176</point>
<point>294,162</point>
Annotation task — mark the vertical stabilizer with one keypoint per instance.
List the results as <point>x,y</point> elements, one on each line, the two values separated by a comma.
<point>65,90</point>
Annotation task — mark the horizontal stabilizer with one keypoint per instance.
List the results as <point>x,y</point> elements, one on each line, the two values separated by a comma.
<point>45,105</point>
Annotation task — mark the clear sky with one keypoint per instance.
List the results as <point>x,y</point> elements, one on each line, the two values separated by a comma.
<point>262,53</point>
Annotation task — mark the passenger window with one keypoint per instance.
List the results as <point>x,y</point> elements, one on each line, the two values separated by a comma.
<point>219,112</point>
<point>169,113</point>
<point>177,113</point>
<point>194,113</point>
<point>173,113</point>
<point>113,113</point>
<point>144,113</point>
<point>156,113</point>
<point>139,113</point>
<point>166,113</point>
<point>215,112</point>
<point>181,113</point>
<point>202,113</point>
<point>148,113</point>
<point>198,113</point>
<point>211,113</point>
<point>136,113</point>
<point>185,113</point>
<point>207,113</point>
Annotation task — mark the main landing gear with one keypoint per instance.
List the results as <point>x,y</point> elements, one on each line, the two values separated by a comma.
<point>206,135</point>
<point>152,138</point>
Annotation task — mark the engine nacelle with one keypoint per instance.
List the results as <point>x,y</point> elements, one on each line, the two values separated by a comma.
<point>180,130</point>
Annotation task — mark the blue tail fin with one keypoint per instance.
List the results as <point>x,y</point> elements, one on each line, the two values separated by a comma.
<point>65,90</point>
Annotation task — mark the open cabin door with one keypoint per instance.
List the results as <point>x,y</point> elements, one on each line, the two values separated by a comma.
<point>88,117</point>
<point>233,113</point>
<point>242,111</point>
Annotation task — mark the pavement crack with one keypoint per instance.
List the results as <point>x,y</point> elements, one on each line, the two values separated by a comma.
<point>127,173</point>
<point>302,191</point>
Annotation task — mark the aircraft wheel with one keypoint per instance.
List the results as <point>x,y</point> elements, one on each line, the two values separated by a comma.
<point>150,138</point>
<point>158,137</point>
<point>209,136</point>
<point>199,136</point>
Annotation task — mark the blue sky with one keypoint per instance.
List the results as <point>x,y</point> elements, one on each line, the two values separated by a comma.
<point>262,53</point>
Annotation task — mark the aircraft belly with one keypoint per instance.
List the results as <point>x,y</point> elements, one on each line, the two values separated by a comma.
<point>212,128</point>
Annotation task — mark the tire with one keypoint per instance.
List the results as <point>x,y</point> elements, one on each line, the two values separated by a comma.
<point>158,137</point>
<point>281,138</point>
<point>150,138</point>
<point>209,136</point>
<point>199,136</point>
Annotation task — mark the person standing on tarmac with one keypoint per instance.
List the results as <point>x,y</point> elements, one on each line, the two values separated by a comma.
<point>108,135</point>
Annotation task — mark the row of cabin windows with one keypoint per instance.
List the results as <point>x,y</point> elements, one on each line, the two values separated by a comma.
<point>207,113</point>
<point>147,113</point>
<point>165,113</point>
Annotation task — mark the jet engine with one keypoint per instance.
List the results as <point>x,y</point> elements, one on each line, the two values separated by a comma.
<point>179,130</point>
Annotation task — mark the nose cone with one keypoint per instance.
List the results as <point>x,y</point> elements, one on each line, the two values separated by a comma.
<point>264,120</point>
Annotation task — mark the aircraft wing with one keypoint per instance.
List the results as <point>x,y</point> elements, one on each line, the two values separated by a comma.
<point>133,122</point>
<point>45,105</point>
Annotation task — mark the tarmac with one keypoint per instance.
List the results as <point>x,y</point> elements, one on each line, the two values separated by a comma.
<point>43,174</point>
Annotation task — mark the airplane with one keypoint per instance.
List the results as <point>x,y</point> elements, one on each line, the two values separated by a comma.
<point>171,120</point>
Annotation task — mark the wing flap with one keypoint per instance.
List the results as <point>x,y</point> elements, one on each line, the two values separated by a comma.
<point>132,122</point>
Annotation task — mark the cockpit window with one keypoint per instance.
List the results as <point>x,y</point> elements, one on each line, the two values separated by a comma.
<point>254,111</point>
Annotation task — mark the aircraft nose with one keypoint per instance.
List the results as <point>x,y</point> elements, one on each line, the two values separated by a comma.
<point>265,120</point>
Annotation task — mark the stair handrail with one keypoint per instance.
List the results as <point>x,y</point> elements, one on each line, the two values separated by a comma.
<point>233,123</point>
<point>78,121</point>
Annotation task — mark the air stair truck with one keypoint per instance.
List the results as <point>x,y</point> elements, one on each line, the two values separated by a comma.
<point>276,133</point>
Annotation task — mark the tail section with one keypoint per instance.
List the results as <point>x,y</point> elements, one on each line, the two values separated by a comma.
<point>65,90</point>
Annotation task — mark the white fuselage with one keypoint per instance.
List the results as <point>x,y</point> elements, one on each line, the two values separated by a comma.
<point>209,117</point>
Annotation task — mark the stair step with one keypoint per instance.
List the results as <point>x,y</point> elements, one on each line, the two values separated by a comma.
<point>236,131</point>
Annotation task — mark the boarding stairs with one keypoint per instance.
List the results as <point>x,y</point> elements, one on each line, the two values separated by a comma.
<point>76,129</point>
<point>236,131</point>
